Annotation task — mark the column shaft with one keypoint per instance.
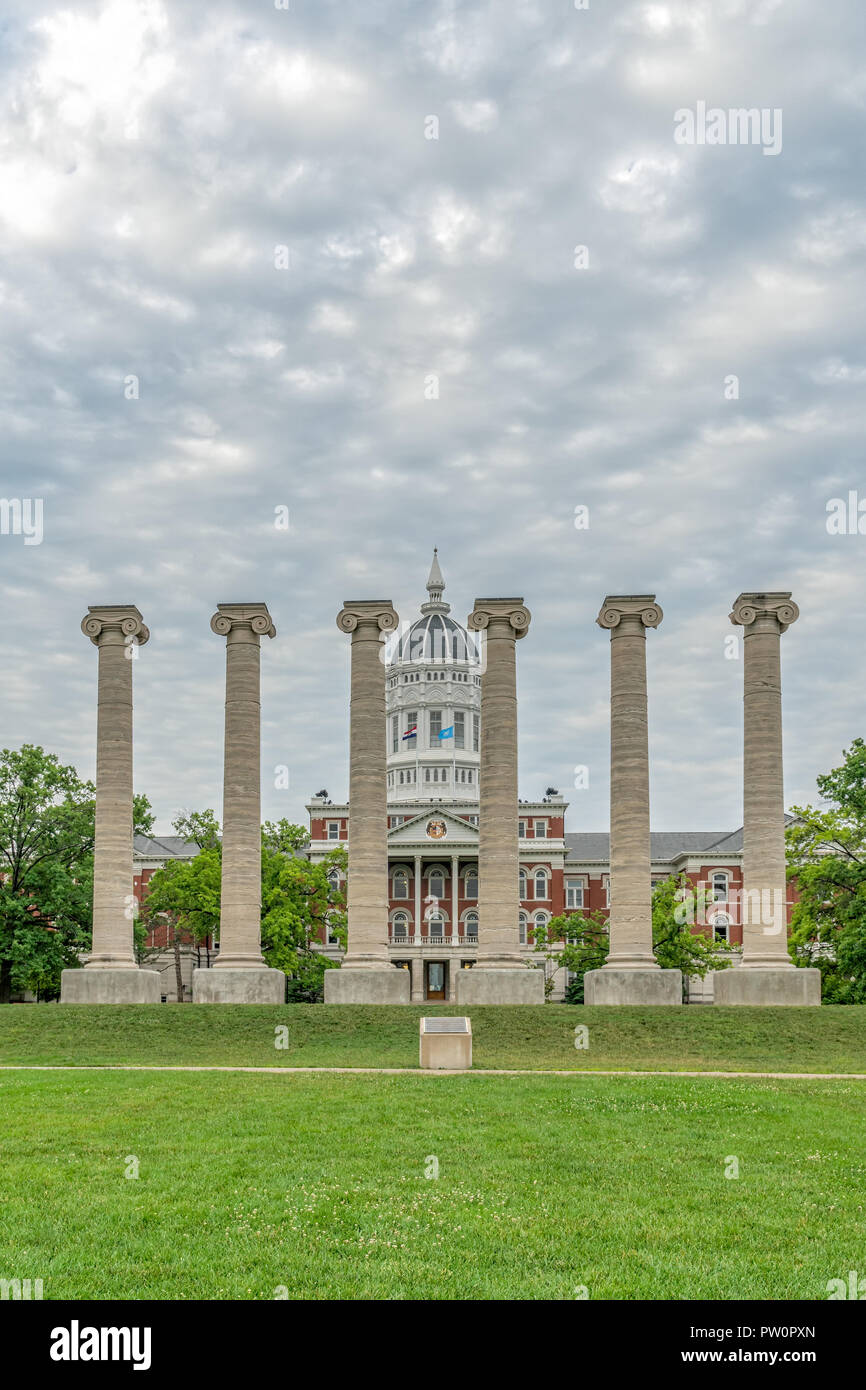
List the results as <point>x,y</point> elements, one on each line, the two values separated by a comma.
<point>455,897</point>
<point>764,910</point>
<point>241,895</point>
<point>112,848</point>
<point>111,975</point>
<point>367,897</point>
<point>498,847</point>
<point>630,879</point>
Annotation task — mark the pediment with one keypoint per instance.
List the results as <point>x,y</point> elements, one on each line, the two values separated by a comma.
<point>433,828</point>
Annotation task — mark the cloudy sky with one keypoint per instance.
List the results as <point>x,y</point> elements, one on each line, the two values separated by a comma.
<point>153,157</point>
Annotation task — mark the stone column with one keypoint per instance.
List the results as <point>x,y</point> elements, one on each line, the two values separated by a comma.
<point>499,975</point>
<point>417,979</point>
<point>366,975</point>
<point>455,898</point>
<point>767,974</point>
<point>417,885</point>
<point>239,974</point>
<point>631,974</point>
<point>111,975</point>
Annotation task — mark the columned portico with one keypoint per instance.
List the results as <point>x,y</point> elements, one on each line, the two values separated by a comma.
<point>500,974</point>
<point>767,974</point>
<point>631,974</point>
<point>111,975</point>
<point>366,975</point>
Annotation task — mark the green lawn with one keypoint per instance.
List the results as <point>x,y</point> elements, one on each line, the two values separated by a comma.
<point>825,1039</point>
<point>317,1183</point>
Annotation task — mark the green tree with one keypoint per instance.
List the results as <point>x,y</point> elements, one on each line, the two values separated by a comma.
<point>578,941</point>
<point>185,893</point>
<point>574,941</point>
<point>826,848</point>
<point>676,908</point>
<point>46,868</point>
<point>298,898</point>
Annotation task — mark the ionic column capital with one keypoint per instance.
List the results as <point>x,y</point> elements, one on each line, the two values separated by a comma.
<point>749,608</point>
<point>118,620</point>
<point>512,611</point>
<point>254,616</point>
<point>363,613</point>
<point>642,607</point>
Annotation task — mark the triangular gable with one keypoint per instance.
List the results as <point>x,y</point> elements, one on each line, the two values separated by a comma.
<point>422,828</point>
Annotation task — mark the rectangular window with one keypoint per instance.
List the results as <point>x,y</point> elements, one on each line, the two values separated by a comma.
<point>411,721</point>
<point>574,893</point>
<point>459,729</point>
<point>540,829</point>
<point>435,726</point>
<point>521,829</point>
<point>395,733</point>
<point>333,830</point>
<point>476,732</point>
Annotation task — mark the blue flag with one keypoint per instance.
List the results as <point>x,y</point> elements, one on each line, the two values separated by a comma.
<point>447,733</point>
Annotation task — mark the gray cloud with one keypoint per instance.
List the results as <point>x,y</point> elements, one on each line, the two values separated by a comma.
<point>154,155</point>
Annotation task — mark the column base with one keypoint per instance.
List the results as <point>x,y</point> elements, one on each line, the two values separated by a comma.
<point>751,985</point>
<point>643,987</point>
<point>519,985</point>
<point>387,985</point>
<point>250,985</point>
<point>110,986</point>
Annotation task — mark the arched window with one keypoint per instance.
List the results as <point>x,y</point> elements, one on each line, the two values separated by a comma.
<point>540,919</point>
<point>471,926</point>
<point>334,879</point>
<point>436,924</point>
<point>721,927</point>
<point>720,888</point>
<point>524,892</point>
<point>401,883</point>
<point>472,883</point>
<point>401,926</point>
<point>523,921</point>
<point>540,885</point>
<point>436,881</point>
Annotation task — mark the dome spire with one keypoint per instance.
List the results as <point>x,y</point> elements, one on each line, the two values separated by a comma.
<point>435,587</point>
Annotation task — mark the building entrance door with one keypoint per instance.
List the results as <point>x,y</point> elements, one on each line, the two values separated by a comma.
<point>435,971</point>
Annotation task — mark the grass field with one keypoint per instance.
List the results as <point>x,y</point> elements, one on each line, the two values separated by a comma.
<point>684,1039</point>
<point>317,1183</point>
<point>322,1184</point>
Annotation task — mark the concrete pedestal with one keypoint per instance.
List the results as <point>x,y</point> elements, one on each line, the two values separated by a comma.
<point>249,985</point>
<point>352,986</point>
<point>491,986</point>
<point>446,1044</point>
<point>750,985</point>
<point>643,987</point>
<point>110,986</point>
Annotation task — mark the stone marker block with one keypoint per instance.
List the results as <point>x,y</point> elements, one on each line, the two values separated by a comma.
<point>110,986</point>
<point>244,985</point>
<point>644,987</point>
<point>492,986</point>
<point>387,986</point>
<point>446,1044</point>
<point>750,985</point>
